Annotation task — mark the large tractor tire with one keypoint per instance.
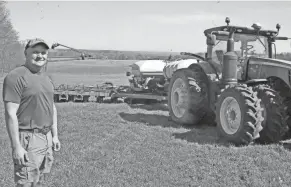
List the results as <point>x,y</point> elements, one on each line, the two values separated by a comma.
<point>238,115</point>
<point>274,114</point>
<point>188,96</point>
<point>284,91</point>
<point>287,102</point>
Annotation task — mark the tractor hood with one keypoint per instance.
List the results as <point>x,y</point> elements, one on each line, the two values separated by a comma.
<point>264,68</point>
<point>271,62</point>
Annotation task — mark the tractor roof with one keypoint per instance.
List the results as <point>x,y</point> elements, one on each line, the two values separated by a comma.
<point>242,30</point>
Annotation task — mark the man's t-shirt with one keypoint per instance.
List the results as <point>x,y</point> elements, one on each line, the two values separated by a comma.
<point>34,93</point>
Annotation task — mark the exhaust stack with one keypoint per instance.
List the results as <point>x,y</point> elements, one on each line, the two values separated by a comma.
<point>230,62</point>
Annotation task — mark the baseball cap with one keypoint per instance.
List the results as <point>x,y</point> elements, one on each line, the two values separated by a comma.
<point>34,42</point>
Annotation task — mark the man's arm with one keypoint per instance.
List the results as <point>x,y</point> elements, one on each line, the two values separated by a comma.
<point>12,92</point>
<point>19,154</point>
<point>56,142</point>
<point>55,122</point>
<point>55,113</point>
<point>12,123</point>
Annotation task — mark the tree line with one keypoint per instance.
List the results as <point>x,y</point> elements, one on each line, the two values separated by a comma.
<point>11,49</point>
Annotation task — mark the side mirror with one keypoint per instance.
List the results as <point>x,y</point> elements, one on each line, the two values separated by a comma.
<point>128,73</point>
<point>227,20</point>
<point>278,26</point>
<point>211,39</point>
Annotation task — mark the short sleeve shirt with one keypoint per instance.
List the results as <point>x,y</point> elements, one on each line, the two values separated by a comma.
<point>34,92</point>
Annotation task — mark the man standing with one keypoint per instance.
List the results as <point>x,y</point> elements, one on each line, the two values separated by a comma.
<point>31,116</point>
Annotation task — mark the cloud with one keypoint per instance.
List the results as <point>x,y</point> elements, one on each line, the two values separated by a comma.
<point>181,18</point>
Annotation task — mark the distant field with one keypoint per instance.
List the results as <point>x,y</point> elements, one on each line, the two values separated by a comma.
<point>90,71</point>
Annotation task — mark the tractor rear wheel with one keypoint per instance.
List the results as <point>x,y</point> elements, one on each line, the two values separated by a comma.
<point>287,102</point>
<point>274,124</point>
<point>188,96</point>
<point>284,91</point>
<point>238,114</point>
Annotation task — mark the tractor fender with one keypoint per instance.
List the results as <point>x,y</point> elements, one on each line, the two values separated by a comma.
<point>171,67</point>
<point>254,82</point>
<point>259,68</point>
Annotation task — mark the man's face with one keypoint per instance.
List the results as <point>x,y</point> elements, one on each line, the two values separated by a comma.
<point>37,55</point>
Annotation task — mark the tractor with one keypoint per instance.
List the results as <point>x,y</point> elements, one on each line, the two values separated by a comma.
<point>239,86</point>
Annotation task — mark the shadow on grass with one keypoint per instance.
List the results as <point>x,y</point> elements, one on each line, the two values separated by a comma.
<point>150,107</point>
<point>201,134</point>
<point>149,119</point>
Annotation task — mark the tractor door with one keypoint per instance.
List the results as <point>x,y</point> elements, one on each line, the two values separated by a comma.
<point>252,46</point>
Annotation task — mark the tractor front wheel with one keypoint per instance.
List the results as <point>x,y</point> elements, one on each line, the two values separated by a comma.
<point>238,115</point>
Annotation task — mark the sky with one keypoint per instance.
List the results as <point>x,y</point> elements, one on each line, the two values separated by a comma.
<point>142,26</point>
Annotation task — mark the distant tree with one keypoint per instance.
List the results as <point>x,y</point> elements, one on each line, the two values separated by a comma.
<point>139,56</point>
<point>121,56</point>
<point>11,50</point>
<point>284,56</point>
<point>99,56</point>
<point>111,56</point>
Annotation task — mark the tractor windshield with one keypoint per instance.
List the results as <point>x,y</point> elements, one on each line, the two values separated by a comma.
<point>254,47</point>
<point>244,46</point>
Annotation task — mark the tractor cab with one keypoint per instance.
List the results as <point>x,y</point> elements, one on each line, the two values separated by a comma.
<point>245,41</point>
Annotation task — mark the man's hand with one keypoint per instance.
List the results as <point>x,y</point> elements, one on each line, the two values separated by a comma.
<point>19,155</point>
<point>56,144</point>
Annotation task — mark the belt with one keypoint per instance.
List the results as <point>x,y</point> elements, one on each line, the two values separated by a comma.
<point>36,130</point>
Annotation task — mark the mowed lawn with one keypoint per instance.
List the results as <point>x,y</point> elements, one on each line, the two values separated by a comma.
<point>122,145</point>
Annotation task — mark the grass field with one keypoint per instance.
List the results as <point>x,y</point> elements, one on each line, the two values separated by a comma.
<point>89,71</point>
<point>122,145</point>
